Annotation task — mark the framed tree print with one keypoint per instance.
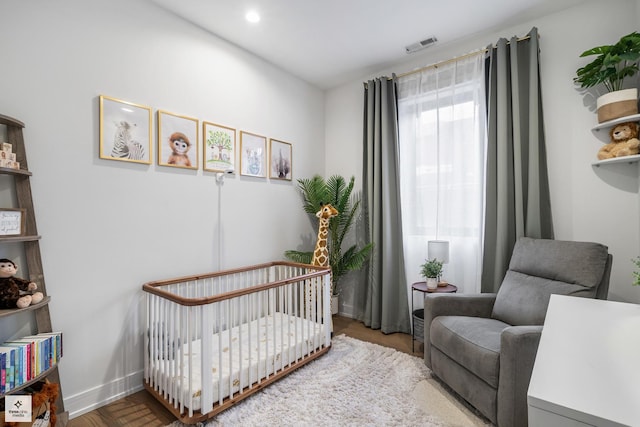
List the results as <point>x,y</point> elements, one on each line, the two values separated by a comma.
<point>253,155</point>
<point>280,160</point>
<point>125,131</point>
<point>177,140</point>
<point>219,148</point>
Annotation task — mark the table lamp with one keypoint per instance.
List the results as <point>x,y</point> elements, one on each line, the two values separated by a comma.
<point>438,249</point>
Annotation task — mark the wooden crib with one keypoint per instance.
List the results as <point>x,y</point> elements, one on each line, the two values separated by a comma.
<point>215,339</point>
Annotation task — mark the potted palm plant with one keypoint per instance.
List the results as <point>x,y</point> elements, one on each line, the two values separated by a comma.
<point>431,270</point>
<point>611,67</point>
<point>336,191</point>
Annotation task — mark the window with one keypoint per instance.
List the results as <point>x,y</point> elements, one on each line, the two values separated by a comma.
<point>441,114</point>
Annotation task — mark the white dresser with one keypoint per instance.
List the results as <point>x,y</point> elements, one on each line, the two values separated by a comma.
<point>587,370</point>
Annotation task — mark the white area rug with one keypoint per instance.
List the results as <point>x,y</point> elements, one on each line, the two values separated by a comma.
<point>355,384</point>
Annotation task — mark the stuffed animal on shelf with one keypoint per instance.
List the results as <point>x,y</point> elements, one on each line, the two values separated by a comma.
<point>14,291</point>
<point>624,141</point>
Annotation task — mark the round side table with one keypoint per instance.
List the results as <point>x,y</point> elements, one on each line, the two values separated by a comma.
<point>417,316</point>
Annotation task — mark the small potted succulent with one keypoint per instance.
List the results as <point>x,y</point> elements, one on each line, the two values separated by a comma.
<point>611,67</point>
<point>431,271</point>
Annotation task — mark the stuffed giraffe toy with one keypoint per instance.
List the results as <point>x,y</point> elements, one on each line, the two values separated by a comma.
<point>321,252</point>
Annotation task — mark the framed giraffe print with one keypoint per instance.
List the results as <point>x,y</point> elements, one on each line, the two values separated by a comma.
<point>279,160</point>
<point>253,155</point>
<point>219,147</point>
<point>177,140</point>
<point>125,131</point>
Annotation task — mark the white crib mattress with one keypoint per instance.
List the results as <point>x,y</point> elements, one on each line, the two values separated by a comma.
<point>240,357</point>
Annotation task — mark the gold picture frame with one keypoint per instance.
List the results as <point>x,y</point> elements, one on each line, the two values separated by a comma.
<point>253,155</point>
<point>125,131</point>
<point>280,160</point>
<point>177,140</point>
<point>218,147</point>
<point>12,222</point>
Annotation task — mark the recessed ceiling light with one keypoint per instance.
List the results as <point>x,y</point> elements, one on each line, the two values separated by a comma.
<point>252,16</point>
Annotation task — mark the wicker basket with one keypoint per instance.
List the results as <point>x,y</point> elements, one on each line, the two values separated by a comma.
<point>418,325</point>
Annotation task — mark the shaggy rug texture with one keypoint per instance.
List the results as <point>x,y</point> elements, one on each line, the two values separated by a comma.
<point>355,384</point>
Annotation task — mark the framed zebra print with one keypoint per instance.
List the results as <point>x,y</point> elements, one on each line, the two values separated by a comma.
<point>125,131</point>
<point>177,140</point>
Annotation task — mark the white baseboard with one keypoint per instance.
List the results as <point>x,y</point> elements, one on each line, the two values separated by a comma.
<point>94,398</point>
<point>347,311</point>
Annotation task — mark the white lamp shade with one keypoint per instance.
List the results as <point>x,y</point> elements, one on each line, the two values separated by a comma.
<point>438,249</point>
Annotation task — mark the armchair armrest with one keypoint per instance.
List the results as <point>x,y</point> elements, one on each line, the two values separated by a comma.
<point>474,305</point>
<point>518,349</point>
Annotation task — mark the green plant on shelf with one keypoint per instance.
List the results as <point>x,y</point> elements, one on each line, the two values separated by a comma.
<point>612,66</point>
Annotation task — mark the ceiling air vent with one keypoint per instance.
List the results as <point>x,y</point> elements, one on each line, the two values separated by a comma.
<point>414,47</point>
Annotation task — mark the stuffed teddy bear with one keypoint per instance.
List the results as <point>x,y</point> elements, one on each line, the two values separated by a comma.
<point>14,291</point>
<point>624,141</point>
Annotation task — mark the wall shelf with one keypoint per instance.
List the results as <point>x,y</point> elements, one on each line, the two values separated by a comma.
<point>626,159</point>
<point>12,311</point>
<point>601,131</point>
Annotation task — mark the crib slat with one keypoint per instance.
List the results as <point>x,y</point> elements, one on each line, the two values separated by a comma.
<point>206,325</point>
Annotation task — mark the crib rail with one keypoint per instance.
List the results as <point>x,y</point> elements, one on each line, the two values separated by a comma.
<point>216,338</point>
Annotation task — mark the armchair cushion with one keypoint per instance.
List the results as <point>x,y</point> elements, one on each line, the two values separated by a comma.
<point>479,305</point>
<point>540,267</point>
<point>473,342</point>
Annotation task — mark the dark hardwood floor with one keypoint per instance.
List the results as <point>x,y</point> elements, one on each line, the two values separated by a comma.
<point>142,410</point>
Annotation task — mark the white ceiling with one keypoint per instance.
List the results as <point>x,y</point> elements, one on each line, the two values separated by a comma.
<point>327,42</point>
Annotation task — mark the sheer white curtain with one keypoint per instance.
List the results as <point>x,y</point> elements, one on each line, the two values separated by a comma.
<point>442,117</point>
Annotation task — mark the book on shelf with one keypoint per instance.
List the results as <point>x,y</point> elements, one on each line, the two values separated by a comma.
<point>21,375</point>
<point>23,359</point>
<point>9,367</point>
<point>28,350</point>
<point>3,372</point>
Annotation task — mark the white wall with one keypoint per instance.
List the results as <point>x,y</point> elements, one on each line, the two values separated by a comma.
<point>588,204</point>
<point>108,227</point>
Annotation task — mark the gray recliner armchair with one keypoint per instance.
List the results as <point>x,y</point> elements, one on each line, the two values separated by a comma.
<point>483,346</point>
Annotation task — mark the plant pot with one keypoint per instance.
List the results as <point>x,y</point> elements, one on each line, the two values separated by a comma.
<point>432,283</point>
<point>335,304</point>
<point>619,103</point>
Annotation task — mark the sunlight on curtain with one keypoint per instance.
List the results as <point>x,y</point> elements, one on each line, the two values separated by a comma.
<point>441,114</point>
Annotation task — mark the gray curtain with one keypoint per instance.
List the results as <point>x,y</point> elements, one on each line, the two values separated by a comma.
<point>517,192</point>
<point>382,302</point>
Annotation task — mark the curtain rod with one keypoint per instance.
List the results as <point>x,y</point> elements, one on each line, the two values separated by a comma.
<point>457,58</point>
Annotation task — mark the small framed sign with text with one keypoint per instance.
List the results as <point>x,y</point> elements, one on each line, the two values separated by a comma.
<point>12,222</point>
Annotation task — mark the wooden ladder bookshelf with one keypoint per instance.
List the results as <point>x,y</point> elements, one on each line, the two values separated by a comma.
<point>31,245</point>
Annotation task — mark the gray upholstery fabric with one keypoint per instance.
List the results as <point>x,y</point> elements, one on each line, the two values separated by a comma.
<point>489,361</point>
<point>518,348</point>
<point>472,342</point>
<point>541,267</point>
<point>479,305</point>
<point>471,388</point>
<point>580,263</point>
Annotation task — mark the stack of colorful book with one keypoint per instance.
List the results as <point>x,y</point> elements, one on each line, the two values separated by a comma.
<point>24,359</point>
